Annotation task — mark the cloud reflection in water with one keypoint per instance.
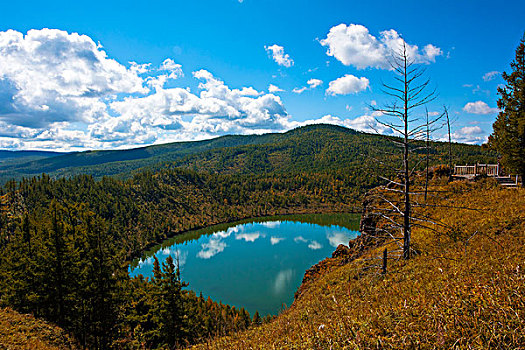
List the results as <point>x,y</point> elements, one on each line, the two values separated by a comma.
<point>212,248</point>
<point>336,238</point>
<point>249,237</point>
<point>283,278</point>
<point>315,245</point>
<point>275,240</point>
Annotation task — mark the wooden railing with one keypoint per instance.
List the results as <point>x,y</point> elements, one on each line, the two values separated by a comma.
<point>475,170</point>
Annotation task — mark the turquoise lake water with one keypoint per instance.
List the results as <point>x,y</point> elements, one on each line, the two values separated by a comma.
<point>255,265</point>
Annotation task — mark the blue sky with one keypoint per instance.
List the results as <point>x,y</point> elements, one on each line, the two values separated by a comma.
<point>208,68</point>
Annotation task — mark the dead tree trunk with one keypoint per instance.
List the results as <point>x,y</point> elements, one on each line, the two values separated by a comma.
<point>449,140</point>
<point>406,213</point>
<point>408,95</point>
<point>385,261</point>
<point>427,155</point>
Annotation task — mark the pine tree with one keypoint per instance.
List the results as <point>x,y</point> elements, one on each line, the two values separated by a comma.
<point>57,262</point>
<point>100,284</point>
<point>508,137</point>
<point>257,320</point>
<point>168,311</point>
<point>173,328</point>
<point>18,280</point>
<point>153,333</point>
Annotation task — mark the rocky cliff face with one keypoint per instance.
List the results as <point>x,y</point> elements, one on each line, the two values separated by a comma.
<point>369,219</point>
<point>343,255</point>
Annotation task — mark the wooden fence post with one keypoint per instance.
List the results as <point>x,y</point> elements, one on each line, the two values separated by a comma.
<point>385,259</point>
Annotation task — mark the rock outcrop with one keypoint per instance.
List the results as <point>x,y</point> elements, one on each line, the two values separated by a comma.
<point>341,256</point>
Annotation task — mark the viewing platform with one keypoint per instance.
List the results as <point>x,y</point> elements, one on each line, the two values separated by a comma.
<point>470,172</point>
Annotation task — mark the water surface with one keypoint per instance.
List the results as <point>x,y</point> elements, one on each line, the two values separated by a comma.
<point>255,265</point>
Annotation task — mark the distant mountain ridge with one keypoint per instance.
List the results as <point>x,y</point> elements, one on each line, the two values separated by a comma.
<point>10,159</point>
<point>310,148</point>
<point>6,154</point>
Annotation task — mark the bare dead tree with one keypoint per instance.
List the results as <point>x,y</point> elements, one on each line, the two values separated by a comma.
<point>449,138</point>
<point>409,92</point>
<point>427,151</point>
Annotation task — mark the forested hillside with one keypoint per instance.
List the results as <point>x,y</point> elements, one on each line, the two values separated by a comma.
<point>12,159</point>
<point>309,149</point>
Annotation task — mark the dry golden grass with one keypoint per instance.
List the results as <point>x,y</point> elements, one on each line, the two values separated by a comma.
<point>465,290</point>
<point>19,331</point>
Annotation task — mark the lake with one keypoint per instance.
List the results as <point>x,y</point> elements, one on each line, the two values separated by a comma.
<point>255,264</point>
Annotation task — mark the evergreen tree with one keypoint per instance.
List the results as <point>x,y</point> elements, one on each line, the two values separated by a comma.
<point>245,317</point>
<point>57,261</point>
<point>168,312</point>
<point>153,334</point>
<point>508,137</point>
<point>173,328</point>
<point>19,275</point>
<point>257,320</point>
<point>99,285</point>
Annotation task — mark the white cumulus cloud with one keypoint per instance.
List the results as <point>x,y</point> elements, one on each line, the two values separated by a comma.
<point>365,123</point>
<point>469,134</point>
<point>354,45</point>
<point>49,76</point>
<point>479,107</point>
<point>347,84</point>
<point>278,55</point>
<point>174,69</point>
<point>216,110</point>
<point>490,75</point>
<point>272,88</point>
<point>313,83</point>
<point>139,68</point>
<point>299,90</point>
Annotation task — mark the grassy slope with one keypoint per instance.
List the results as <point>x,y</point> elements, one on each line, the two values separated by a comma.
<point>465,290</point>
<point>19,331</point>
